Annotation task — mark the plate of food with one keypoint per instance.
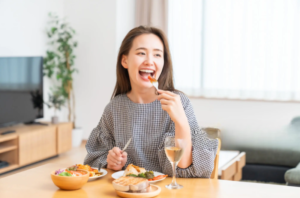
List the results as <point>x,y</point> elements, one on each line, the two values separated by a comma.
<point>138,172</point>
<point>135,187</point>
<point>94,173</point>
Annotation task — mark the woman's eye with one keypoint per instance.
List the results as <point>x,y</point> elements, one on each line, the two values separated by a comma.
<point>158,55</point>
<point>141,53</point>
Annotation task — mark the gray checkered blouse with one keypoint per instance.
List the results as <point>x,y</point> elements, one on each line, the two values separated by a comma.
<point>148,125</point>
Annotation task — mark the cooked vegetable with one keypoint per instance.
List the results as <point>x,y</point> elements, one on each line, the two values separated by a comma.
<point>132,175</point>
<point>147,175</point>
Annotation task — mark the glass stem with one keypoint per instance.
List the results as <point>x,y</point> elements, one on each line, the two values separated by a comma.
<point>174,165</point>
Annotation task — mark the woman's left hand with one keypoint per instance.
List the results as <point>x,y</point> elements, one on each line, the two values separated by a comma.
<point>171,103</point>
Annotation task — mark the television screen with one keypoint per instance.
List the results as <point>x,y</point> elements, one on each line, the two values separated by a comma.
<point>21,89</point>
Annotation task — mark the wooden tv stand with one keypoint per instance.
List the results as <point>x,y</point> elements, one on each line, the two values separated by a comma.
<point>32,143</point>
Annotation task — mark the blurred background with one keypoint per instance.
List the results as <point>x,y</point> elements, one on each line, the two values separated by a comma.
<point>237,60</point>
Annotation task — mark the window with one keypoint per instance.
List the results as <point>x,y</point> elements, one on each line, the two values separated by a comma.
<point>242,49</point>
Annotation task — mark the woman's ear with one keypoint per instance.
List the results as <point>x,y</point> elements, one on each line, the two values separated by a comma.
<point>124,62</point>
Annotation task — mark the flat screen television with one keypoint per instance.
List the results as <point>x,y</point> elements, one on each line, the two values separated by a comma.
<point>21,90</point>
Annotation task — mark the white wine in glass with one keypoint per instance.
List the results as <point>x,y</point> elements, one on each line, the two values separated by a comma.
<point>174,149</point>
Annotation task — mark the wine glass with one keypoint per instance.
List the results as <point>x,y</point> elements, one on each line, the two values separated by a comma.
<point>174,149</point>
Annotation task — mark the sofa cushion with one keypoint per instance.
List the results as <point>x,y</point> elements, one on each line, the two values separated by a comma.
<point>271,147</point>
<point>292,176</point>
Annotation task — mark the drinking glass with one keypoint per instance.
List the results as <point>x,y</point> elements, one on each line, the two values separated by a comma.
<point>174,149</point>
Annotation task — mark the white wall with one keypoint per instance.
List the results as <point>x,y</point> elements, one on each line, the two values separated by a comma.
<point>101,25</point>
<point>23,32</point>
<point>96,26</point>
<point>238,117</point>
<point>125,19</point>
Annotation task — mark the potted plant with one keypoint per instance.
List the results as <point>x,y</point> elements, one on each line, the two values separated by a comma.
<point>56,100</point>
<point>59,65</point>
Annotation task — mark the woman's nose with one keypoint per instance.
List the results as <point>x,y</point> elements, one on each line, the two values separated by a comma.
<point>149,60</point>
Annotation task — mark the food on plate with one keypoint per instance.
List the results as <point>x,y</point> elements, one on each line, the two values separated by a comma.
<point>135,171</point>
<point>98,174</point>
<point>92,171</point>
<point>132,169</point>
<point>75,171</point>
<point>159,177</point>
<point>133,184</point>
<point>146,175</point>
<point>65,174</point>
<point>69,173</point>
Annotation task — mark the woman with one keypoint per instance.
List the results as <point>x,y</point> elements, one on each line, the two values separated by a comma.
<point>136,111</point>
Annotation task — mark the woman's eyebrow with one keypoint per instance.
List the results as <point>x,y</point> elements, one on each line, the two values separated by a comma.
<point>143,48</point>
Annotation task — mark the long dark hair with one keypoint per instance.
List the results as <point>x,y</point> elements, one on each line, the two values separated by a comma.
<point>166,77</point>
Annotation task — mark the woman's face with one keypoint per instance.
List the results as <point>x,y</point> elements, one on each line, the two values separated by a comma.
<point>145,58</point>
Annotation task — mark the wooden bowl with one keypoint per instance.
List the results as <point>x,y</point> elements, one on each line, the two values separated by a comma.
<point>69,183</point>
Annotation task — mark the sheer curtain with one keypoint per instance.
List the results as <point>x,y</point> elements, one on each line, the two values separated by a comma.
<point>244,49</point>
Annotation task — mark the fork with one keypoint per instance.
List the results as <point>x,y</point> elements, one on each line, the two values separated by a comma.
<point>127,144</point>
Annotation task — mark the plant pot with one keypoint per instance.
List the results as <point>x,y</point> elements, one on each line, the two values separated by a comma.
<point>54,120</point>
<point>77,134</point>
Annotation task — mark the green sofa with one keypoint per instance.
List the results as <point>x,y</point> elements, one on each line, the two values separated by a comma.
<point>269,152</point>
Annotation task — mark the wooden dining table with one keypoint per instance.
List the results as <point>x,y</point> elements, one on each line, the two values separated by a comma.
<point>36,182</point>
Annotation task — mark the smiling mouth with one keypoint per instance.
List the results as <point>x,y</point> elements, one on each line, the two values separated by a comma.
<point>146,73</point>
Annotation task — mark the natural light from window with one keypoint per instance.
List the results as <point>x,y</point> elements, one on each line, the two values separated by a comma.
<point>237,49</point>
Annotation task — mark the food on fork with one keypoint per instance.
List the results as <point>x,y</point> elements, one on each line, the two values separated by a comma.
<point>133,184</point>
<point>152,80</point>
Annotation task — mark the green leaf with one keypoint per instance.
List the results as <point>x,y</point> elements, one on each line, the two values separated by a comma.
<point>65,174</point>
<point>58,76</point>
<point>132,175</point>
<point>60,40</point>
<point>53,30</point>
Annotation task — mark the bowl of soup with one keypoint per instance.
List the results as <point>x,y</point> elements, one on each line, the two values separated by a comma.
<point>69,180</point>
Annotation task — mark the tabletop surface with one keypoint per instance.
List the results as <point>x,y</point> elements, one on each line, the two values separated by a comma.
<point>36,182</point>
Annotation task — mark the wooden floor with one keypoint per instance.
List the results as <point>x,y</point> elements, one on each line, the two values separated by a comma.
<point>75,151</point>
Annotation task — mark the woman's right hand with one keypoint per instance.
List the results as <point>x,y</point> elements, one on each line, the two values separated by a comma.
<point>116,159</point>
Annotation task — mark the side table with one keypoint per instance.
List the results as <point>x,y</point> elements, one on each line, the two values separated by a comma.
<point>231,164</point>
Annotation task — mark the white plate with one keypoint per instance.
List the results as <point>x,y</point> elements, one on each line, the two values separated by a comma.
<point>97,177</point>
<point>119,174</point>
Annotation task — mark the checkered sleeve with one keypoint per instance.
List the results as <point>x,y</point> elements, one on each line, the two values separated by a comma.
<point>203,153</point>
<point>100,141</point>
